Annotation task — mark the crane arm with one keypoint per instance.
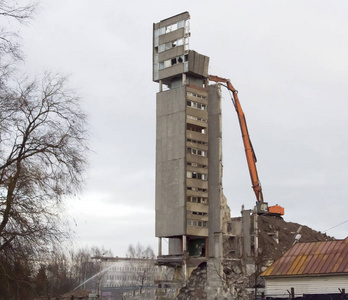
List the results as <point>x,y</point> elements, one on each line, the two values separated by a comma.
<point>249,151</point>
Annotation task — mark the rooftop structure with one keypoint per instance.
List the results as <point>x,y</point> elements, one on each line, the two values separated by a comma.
<point>171,54</point>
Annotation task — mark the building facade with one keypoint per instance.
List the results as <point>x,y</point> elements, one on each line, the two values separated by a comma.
<point>190,206</point>
<point>123,278</point>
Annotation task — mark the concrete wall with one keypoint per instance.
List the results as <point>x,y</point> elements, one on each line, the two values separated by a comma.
<point>170,163</point>
<point>198,64</point>
<point>246,233</point>
<point>215,171</point>
<point>175,246</point>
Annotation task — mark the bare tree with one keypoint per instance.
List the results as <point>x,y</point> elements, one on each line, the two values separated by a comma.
<point>144,262</point>
<point>12,14</point>
<point>139,251</point>
<point>17,11</point>
<point>42,159</point>
<point>11,10</point>
<point>84,267</point>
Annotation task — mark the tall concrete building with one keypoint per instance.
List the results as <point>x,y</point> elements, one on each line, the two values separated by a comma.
<point>190,206</point>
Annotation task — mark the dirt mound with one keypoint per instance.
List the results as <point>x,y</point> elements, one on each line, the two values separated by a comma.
<point>276,236</point>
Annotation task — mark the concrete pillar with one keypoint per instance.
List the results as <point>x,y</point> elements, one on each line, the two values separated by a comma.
<point>215,171</point>
<point>184,265</point>
<point>159,246</point>
<point>246,233</point>
<point>183,78</point>
<point>256,234</point>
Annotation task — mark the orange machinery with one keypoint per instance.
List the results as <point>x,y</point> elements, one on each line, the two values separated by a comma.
<point>249,151</point>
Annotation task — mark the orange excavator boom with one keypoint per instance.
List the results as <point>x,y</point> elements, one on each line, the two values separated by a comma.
<point>249,151</point>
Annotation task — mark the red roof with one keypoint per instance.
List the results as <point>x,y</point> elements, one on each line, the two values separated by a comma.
<point>330,257</point>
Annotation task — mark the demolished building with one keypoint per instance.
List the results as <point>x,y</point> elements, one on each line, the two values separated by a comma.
<point>190,206</point>
<point>212,255</point>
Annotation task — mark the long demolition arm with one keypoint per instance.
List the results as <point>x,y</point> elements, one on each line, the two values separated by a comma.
<point>249,151</point>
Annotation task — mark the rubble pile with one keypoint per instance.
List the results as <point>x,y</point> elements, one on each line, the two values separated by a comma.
<point>275,237</point>
<point>195,286</point>
<point>238,284</point>
<point>272,247</point>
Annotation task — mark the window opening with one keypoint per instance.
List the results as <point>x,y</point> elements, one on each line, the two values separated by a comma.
<point>169,62</point>
<point>196,118</point>
<point>162,30</point>
<point>196,223</point>
<point>195,95</point>
<point>187,26</point>
<point>161,47</point>
<point>186,46</point>
<point>196,105</point>
<point>192,188</point>
<point>170,45</point>
<point>197,213</point>
<point>195,151</point>
<point>195,128</point>
<point>196,165</point>
<point>196,175</point>
<point>196,142</point>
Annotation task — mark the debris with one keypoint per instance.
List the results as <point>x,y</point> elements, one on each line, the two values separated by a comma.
<point>236,283</point>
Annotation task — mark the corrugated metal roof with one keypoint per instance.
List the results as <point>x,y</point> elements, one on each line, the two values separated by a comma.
<point>315,258</point>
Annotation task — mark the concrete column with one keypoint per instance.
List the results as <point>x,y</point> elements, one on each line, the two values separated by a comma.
<point>184,266</point>
<point>160,86</point>
<point>256,234</point>
<point>246,233</point>
<point>215,195</point>
<point>159,246</point>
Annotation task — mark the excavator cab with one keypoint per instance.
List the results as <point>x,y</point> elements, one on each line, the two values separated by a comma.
<point>262,208</point>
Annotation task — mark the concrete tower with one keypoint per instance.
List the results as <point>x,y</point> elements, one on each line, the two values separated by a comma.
<point>189,200</point>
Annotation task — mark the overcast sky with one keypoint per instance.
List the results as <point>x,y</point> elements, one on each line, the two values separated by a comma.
<point>288,59</point>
